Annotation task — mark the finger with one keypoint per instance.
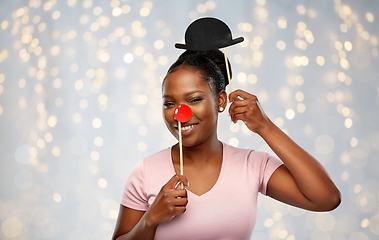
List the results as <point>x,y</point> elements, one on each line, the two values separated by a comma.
<point>250,103</point>
<point>240,93</point>
<point>237,104</point>
<point>175,198</point>
<point>181,185</point>
<point>234,94</point>
<point>178,193</point>
<point>180,202</point>
<point>239,116</point>
<point>175,180</point>
<point>240,110</point>
<point>236,113</point>
<point>179,210</point>
<point>245,110</point>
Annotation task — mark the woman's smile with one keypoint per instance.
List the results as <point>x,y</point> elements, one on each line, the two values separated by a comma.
<point>187,128</point>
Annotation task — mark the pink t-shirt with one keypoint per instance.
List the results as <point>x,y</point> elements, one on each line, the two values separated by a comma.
<point>227,211</point>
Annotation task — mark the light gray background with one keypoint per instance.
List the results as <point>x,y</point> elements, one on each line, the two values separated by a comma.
<point>66,66</point>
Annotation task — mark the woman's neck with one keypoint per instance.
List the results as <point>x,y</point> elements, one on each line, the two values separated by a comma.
<point>205,152</point>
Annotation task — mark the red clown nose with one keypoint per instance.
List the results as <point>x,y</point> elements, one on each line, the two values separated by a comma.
<point>183,113</point>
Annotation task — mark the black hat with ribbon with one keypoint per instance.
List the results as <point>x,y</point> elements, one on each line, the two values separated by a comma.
<point>208,34</point>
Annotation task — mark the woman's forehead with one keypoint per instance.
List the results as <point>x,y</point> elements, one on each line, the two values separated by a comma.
<point>184,80</point>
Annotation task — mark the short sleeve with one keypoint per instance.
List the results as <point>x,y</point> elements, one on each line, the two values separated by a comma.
<point>264,165</point>
<point>134,194</point>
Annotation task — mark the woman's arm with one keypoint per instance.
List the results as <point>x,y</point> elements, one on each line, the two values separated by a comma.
<point>170,201</point>
<point>301,181</point>
<point>131,224</point>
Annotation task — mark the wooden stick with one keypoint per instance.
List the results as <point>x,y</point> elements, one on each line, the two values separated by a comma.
<point>180,151</point>
<point>227,70</point>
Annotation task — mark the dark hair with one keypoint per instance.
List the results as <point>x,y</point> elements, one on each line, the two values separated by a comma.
<point>210,64</point>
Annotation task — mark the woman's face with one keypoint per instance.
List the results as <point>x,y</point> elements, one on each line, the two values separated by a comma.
<point>186,86</point>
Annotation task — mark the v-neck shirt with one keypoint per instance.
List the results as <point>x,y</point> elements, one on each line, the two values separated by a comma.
<point>226,211</point>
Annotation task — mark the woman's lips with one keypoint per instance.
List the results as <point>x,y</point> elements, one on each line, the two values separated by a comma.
<point>187,129</point>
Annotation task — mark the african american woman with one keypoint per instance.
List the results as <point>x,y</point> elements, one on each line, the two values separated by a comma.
<point>221,182</point>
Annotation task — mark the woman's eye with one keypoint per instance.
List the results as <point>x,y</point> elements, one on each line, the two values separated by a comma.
<point>167,104</point>
<point>196,100</point>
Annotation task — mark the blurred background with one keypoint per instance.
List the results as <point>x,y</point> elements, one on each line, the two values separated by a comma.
<point>80,105</point>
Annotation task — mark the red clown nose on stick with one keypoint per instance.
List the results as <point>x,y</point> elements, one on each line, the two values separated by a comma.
<point>183,113</point>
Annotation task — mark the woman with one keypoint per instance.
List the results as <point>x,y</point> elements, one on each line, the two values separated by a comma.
<point>220,182</point>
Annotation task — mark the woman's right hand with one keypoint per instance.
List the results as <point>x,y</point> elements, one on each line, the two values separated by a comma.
<point>170,201</point>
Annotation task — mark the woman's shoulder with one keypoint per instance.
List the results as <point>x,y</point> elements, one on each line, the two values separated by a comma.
<point>246,153</point>
<point>160,155</point>
<point>257,161</point>
<point>236,150</point>
<point>157,161</point>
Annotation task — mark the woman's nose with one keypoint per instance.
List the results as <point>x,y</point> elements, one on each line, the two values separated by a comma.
<point>182,113</point>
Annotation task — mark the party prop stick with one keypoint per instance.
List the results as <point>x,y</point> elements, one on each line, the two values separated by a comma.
<point>227,70</point>
<point>183,114</point>
<point>180,148</point>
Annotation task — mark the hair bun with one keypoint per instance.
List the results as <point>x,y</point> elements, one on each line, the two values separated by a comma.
<point>210,63</point>
<point>215,56</point>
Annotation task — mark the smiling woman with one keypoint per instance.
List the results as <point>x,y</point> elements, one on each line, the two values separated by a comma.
<point>221,200</point>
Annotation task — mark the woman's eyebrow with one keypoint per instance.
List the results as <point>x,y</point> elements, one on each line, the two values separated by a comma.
<point>193,92</point>
<point>186,94</point>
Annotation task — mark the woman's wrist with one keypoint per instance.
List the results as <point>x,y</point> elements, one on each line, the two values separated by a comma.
<point>149,222</point>
<point>266,128</point>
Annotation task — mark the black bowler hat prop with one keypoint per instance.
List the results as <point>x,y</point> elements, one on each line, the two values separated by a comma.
<point>209,34</point>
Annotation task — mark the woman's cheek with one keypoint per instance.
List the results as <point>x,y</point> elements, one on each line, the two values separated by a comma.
<point>168,116</point>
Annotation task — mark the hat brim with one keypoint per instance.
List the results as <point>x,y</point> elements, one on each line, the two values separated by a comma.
<point>211,46</point>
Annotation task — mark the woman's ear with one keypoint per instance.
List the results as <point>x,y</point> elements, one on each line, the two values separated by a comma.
<point>222,100</point>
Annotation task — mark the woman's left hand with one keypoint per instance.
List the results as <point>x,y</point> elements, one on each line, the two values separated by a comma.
<point>301,181</point>
<point>246,107</point>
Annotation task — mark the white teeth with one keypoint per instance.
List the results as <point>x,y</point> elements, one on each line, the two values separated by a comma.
<point>187,127</point>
